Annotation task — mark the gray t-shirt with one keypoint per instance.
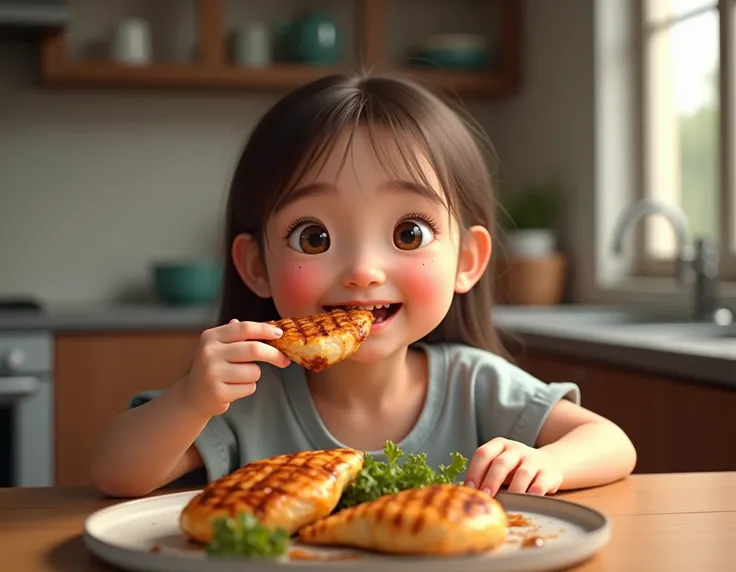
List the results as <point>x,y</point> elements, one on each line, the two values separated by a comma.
<point>472,397</point>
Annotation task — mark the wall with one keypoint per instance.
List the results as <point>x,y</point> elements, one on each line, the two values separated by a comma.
<point>95,184</point>
<point>549,129</point>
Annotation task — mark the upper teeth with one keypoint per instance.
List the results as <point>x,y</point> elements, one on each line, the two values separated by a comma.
<point>370,308</point>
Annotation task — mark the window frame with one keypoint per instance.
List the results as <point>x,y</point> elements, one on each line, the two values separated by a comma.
<point>645,265</point>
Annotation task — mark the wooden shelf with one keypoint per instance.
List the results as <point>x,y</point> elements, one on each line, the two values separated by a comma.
<point>464,82</point>
<point>172,76</point>
<point>211,70</point>
<point>183,76</point>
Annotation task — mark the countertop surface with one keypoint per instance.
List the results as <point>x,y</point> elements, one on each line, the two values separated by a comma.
<point>672,522</point>
<point>607,334</point>
<point>101,317</point>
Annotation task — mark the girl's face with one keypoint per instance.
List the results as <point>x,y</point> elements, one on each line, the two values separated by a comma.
<point>359,236</point>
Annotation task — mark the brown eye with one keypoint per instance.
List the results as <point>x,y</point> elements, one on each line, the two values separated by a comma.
<point>310,238</point>
<point>412,234</point>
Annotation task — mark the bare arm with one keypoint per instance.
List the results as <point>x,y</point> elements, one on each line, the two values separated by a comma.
<point>124,467</point>
<point>589,449</point>
<point>151,445</point>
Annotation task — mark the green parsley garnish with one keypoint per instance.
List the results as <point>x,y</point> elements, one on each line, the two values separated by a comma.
<point>379,478</point>
<point>246,536</point>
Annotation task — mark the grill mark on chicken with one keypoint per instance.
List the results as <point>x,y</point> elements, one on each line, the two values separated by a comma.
<point>300,331</point>
<point>337,324</point>
<point>268,490</point>
<point>438,519</point>
<point>316,342</point>
<point>289,490</point>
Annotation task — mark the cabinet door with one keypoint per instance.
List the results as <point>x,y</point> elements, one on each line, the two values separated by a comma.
<point>632,400</point>
<point>96,374</point>
<point>700,427</point>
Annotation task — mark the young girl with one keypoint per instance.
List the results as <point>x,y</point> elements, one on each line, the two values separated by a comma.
<point>371,192</point>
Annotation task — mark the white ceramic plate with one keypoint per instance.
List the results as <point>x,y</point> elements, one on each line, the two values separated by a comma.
<point>144,535</point>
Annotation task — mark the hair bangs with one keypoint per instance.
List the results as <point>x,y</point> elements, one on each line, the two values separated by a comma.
<point>398,144</point>
<point>400,147</point>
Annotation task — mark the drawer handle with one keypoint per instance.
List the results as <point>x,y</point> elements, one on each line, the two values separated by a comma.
<point>17,386</point>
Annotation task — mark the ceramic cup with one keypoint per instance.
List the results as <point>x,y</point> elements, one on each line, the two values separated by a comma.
<point>132,42</point>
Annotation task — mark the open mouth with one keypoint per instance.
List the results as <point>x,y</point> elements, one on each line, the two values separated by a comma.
<point>381,312</point>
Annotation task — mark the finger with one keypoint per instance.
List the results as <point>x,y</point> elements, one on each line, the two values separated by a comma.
<point>235,391</point>
<point>499,470</point>
<point>543,484</point>
<point>482,458</point>
<point>245,352</point>
<point>234,374</point>
<point>523,477</point>
<point>235,331</point>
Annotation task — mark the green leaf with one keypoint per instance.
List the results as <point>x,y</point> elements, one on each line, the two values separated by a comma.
<point>379,478</point>
<point>456,468</point>
<point>535,206</point>
<point>246,536</point>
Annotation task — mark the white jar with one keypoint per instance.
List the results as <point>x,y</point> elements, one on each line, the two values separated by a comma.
<point>531,243</point>
<point>132,42</point>
<point>252,46</point>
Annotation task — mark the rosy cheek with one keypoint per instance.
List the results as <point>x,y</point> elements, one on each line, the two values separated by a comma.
<point>426,281</point>
<point>297,286</point>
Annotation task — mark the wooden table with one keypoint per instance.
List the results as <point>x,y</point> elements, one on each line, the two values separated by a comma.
<point>668,523</point>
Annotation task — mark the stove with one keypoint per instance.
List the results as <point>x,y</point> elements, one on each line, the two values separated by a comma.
<point>26,400</point>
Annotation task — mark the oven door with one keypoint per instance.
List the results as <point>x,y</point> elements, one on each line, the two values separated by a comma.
<point>26,411</point>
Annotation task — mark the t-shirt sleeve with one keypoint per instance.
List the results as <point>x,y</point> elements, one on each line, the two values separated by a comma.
<point>217,443</point>
<point>511,403</point>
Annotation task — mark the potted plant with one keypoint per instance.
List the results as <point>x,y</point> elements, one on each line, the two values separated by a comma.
<point>531,269</point>
<point>533,215</point>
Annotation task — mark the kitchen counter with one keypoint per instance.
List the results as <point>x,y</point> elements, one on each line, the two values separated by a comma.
<point>672,522</point>
<point>94,317</point>
<point>603,335</point>
<point>575,331</point>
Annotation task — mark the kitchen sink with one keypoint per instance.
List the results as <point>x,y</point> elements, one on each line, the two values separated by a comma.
<point>681,330</point>
<point>585,316</point>
<point>615,322</point>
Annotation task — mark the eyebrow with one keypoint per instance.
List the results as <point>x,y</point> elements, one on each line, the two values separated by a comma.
<point>414,188</point>
<point>402,186</point>
<point>309,190</point>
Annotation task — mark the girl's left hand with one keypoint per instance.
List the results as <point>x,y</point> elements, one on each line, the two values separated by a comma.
<point>524,469</point>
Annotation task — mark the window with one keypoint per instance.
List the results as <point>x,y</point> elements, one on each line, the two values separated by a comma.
<point>686,126</point>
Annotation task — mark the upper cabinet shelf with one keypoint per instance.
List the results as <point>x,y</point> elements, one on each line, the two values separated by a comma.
<point>372,33</point>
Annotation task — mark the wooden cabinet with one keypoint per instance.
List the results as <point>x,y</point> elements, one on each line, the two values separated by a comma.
<point>96,374</point>
<point>677,425</point>
<point>210,67</point>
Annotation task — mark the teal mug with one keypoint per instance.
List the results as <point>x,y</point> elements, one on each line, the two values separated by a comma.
<point>312,39</point>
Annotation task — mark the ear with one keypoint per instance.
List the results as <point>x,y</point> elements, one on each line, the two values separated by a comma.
<point>250,267</point>
<point>475,254</point>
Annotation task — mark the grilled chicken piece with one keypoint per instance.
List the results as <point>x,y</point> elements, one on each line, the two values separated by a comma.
<point>319,341</point>
<point>435,520</point>
<point>286,491</point>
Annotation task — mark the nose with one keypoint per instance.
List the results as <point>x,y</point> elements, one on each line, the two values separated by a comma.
<point>362,274</point>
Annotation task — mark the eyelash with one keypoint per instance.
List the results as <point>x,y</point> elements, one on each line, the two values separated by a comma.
<point>411,216</point>
<point>297,223</point>
<point>424,218</point>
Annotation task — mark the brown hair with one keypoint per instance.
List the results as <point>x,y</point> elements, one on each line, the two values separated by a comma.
<point>303,127</point>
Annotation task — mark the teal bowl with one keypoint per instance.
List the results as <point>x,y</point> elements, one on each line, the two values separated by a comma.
<point>460,59</point>
<point>187,283</point>
<point>453,51</point>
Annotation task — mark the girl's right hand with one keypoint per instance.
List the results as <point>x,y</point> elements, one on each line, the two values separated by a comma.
<point>223,369</point>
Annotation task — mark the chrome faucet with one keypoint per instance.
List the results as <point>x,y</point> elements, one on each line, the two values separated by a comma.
<point>700,260</point>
